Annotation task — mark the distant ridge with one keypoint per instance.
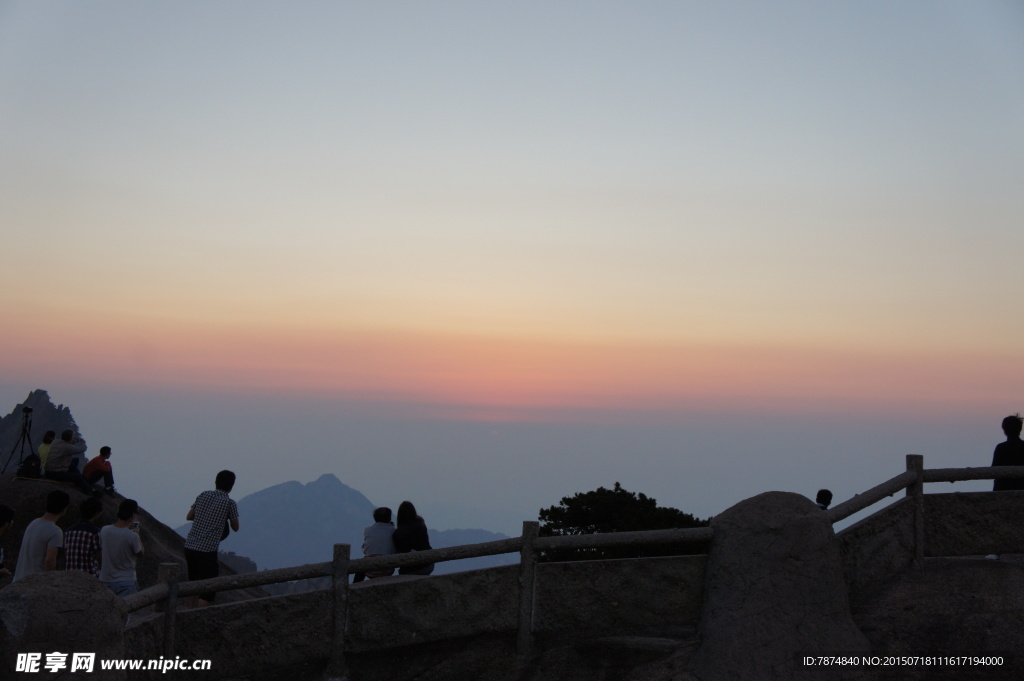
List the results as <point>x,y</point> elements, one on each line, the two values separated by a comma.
<point>294,523</point>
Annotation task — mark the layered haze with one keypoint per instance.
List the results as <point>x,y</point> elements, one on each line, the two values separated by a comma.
<point>485,256</point>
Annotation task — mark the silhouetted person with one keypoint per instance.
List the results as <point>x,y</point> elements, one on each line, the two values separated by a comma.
<point>411,535</point>
<point>43,539</point>
<point>82,540</point>
<point>44,448</point>
<point>824,499</point>
<point>377,542</point>
<point>1009,453</point>
<point>211,515</point>
<point>121,549</point>
<point>98,469</point>
<point>62,463</point>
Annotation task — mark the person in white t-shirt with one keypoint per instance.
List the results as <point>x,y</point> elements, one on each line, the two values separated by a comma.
<point>43,540</point>
<point>120,547</point>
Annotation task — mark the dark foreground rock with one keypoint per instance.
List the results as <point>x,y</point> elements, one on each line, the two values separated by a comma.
<point>774,592</point>
<point>969,607</point>
<point>64,612</point>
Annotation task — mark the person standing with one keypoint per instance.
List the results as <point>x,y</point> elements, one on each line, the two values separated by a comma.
<point>43,539</point>
<point>1009,453</point>
<point>211,515</point>
<point>82,541</point>
<point>121,546</point>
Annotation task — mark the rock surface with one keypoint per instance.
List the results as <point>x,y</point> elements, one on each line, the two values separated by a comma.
<point>64,612</point>
<point>775,590</point>
<point>951,607</point>
<point>161,543</point>
<point>45,416</point>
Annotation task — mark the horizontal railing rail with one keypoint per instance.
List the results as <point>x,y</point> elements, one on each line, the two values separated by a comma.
<point>959,474</point>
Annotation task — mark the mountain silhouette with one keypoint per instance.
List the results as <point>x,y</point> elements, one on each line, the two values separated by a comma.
<point>294,523</point>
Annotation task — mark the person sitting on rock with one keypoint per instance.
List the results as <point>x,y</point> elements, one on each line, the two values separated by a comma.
<point>824,499</point>
<point>98,469</point>
<point>62,463</point>
<point>377,542</point>
<point>82,540</point>
<point>1009,453</point>
<point>43,539</point>
<point>44,448</point>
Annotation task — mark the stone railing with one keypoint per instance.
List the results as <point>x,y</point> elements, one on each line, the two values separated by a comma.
<point>909,514</point>
<point>528,545</point>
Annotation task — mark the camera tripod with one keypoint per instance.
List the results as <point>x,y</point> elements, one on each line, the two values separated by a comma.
<point>24,439</point>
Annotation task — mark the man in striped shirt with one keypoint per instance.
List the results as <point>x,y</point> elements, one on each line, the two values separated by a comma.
<point>82,540</point>
<point>211,515</point>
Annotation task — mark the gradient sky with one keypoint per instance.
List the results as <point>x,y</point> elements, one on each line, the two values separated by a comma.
<point>463,245</point>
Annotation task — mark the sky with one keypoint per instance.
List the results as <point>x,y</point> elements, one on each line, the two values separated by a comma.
<point>486,255</point>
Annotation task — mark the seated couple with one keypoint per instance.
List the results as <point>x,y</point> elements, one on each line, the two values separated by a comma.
<point>383,539</point>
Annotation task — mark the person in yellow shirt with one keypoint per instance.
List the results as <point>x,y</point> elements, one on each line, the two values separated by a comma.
<point>44,449</point>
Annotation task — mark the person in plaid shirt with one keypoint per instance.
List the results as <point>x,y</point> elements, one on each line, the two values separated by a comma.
<point>211,515</point>
<point>82,540</point>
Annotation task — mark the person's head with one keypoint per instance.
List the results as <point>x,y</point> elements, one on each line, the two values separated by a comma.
<point>105,452</point>
<point>382,515</point>
<point>824,497</point>
<point>127,509</point>
<point>225,481</point>
<point>90,508</point>
<point>406,513</point>
<point>1012,425</point>
<point>6,518</point>
<point>48,437</point>
<point>57,502</point>
<point>67,435</point>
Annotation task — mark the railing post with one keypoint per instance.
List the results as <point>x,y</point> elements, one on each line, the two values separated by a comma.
<point>337,669</point>
<point>169,574</point>
<point>527,578</point>
<point>915,464</point>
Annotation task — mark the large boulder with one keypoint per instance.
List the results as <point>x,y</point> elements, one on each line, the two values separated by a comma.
<point>62,612</point>
<point>774,593</point>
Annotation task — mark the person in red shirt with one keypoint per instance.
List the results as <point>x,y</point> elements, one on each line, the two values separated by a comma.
<point>99,468</point>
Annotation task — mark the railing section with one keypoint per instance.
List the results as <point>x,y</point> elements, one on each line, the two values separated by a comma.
<point>528,545</point>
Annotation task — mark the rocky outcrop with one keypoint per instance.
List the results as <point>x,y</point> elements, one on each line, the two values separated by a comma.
<point>63,612</point>
<point>774,591</point>
<point>44,416</point>
<point>161,543</point>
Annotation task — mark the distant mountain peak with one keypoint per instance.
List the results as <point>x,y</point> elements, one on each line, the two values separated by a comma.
<point>327,479</point>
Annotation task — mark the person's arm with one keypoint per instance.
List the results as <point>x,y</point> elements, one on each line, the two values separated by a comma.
<point>234,524</point>
<point>50,562</point>
<point>191,515</point>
